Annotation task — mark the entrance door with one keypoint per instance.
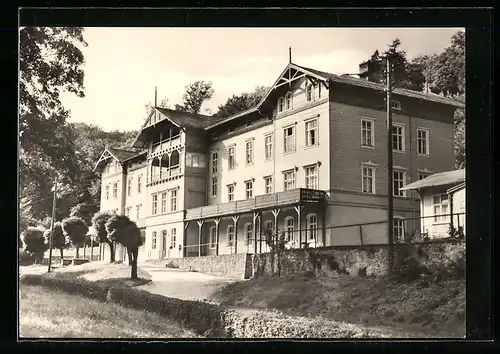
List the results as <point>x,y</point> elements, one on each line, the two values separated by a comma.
<point>164,244</point>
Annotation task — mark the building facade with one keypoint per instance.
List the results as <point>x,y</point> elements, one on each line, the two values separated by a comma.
<point>309,157</point>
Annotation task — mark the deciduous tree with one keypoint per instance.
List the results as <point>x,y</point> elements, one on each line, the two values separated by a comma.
<point>196,94</point>
<point>59,240</point>
<point>99,222</point>
<point>76,230</point>
<point>124,231</point>
<point>239,103</point>
<point>34,242</point>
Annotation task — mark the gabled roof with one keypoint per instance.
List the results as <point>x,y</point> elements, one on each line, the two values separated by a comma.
<point>349,80</point>
<point>120,155</point>
<point>343,79</point>
<point>448,178</point>
<point>180,119</point>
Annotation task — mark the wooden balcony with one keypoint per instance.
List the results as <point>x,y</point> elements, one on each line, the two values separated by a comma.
<point>165,145</point>
<point>266,201</point>
<point>166,175</point>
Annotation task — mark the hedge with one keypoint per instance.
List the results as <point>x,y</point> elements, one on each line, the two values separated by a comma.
<point>207,319</point>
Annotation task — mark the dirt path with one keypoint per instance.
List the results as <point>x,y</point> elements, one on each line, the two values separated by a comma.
<point>182,284</point>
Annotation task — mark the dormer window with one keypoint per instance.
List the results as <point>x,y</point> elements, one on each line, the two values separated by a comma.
<point>281,104</point>
<point>309,93</point>
<point>396,105</point>
<point>288,100</point>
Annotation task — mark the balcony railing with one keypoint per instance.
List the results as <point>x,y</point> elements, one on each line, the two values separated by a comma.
<point>165,144</point>
<point>259,202</point>
<point>168,172</point>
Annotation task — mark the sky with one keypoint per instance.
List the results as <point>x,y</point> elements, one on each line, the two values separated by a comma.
<point>123,65</point>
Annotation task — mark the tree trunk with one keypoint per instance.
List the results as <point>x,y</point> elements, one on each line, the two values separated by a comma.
<point>134,253</point>
<point>111,251</point>
<point>77,252</point>
<point>84,249</point>
<point>62,255</point>
<point>129,254</point>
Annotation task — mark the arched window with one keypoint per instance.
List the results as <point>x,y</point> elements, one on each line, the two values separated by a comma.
<point>164,239</point>
<point>248,233</point>
<point>289,228</point>
<point>153,240</point>
<point>398,229</point>
<point>288,100</point>
<point>268,227</point>
<point>311,226</point>
<point>281,104</point>
<point>213,237</point>
<point>174,159</point>
<point>230,235</point>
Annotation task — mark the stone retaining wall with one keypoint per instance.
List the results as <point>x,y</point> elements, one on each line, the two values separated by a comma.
<point>228,265</point>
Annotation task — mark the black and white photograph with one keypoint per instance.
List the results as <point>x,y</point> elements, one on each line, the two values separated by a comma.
<point>243,182</point>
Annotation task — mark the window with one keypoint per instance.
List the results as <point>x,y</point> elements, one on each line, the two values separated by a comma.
<point>309,92</point>
<point>396,104</point>
<point>312,177</point>
<point>289,139</point>
<point>311,226</point>
<point>249,150</point>
<point>213,237</point>
<point>368,177</point>
<point>139,182</point>
<point>215,157</point>
<point>107,192</point>
<point>312,132</point>
<point>230,192</point>
<point>249,189</point>
<point>399,179</point>
<point>281,104</point>
<point>173,200</point>
<point>164,202</point>
<point>268,182</point>
<point>398,138</point>
<point>115,190</point>
<point>268,228</point>
<point>423,142</point>
<point>289,227</point>
<point>153,240</point>
<point>268,147</point>
<point>289,179</point>
<point>440,203</point>
<point>367,133</point>
<point>129,187</point>
<point>214,186</point>
<point>288,100</point>
<point>398,229</point>
<point>232,158</point>
<point>248,233</point>
<point>164,238</point>
<point>422,175</point>
<point>155,204</point>
<point>173,237</point>
<point>193,160</point>
<point>230,235</point>
<point>138,211</point>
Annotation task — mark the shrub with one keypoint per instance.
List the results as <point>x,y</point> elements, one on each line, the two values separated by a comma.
<point>25,258</point>
<point>34,243</point>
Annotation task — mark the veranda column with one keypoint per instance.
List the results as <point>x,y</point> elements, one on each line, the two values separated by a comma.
<point>200,225</point>
<point>276,212</point>
<point>256,216</point>
<point>298,209</point>
<point>235,223</point>
<point>217,222</point>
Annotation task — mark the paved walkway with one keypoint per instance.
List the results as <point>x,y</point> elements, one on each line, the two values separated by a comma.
<point>181,284</point>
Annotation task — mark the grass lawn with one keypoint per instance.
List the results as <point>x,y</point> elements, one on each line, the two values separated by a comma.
<point>420,307</point>
<point>47,313</point>
<point>117,273</point>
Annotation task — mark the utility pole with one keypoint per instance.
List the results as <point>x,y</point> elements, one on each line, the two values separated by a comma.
<point>52,225</point>
<point>390,192</point>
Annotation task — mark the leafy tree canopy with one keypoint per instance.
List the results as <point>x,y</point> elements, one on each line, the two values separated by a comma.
<point>239,103</point>
<point>196,94</point>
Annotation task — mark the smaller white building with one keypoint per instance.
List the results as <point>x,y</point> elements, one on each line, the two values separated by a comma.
<point>442,203</point>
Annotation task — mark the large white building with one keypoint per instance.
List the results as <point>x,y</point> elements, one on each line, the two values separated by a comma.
<point>310,156</point>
